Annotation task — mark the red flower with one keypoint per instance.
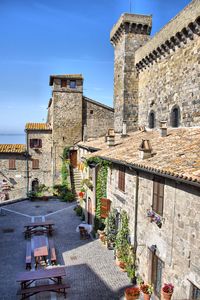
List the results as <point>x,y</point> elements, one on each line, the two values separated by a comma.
<point>168,288</point>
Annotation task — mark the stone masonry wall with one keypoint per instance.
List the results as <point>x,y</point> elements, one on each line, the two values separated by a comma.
<point>44,154</point>
<point>173,80</point>
<point>177,241</point>
<point>15,178</point>
<point>67,122</point>
<point>97,118</point>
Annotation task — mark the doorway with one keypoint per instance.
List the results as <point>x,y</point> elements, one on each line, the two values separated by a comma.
<point>73,158</point>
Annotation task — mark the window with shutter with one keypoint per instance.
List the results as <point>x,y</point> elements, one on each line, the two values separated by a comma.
<point>105,207</point>
<point>12,164</point>
<point>35,164</point>
<point>35,143</point>
<point>121,179</point>
<point>63,83</point>
<point>158,195</point>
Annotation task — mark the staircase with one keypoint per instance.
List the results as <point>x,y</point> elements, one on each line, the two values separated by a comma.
<point>75,181</point>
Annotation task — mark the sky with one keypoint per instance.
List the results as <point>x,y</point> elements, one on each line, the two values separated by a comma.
<point>44,37</point>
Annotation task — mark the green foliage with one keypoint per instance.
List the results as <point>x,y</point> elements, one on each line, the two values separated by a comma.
<point>66,153</point>
<point>122,243</point>
<point>110,228</point>
<point>62,192</point>
<point>78,209</point>
<point>87,182</point>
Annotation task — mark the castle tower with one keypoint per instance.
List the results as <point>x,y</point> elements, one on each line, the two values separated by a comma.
<point>128,34</point>
<point>66,116</point>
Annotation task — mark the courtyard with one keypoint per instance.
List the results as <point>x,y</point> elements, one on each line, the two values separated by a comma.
<point>91,272</point>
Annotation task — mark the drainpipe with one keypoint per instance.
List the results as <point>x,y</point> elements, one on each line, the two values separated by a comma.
<point>27,166</point>
<point>135,244</point>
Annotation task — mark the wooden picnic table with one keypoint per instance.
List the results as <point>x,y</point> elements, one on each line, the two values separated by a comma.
<point>39,227</point>
<point>54,274</point>
<point>40,248</point>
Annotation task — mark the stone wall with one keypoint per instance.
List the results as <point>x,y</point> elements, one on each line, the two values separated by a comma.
<point>97,117</point>
<point>44,154</point>
<point>177,240</point>
<point>129,34</point>
<point>172,80</point>
<point>16,178</point>
<point>67,121</point>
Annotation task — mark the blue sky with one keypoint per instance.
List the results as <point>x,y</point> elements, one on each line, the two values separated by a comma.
<point>43,37</point>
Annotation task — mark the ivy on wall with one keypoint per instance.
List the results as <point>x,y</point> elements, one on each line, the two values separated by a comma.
<point>65,167</point>
<point>101,187</point>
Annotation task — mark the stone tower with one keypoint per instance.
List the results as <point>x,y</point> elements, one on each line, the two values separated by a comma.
<point>66,112</point>
<point>128,34</point>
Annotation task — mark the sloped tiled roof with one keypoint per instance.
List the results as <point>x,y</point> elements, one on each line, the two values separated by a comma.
<point>38,126</point>
<point>175,155</point>
<point>12,148</point>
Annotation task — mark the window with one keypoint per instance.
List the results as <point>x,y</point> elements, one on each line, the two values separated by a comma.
<point>91,112</point>
<point>72,84</point>
<point>12,165</point>
<point>158,195</point>
<point>152,120</point>
<point>175,117</point>
<point>156,266</point>
<point>35,143</point>
<point>121,179</point>
<point>195,292</point>
<point>35,164</point>
<point>63,83</point>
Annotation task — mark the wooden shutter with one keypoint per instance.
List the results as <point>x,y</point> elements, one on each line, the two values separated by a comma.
<point>121,179</point>
<point>31,143</point>
<point>158,195</point>
<point>35,164</point>
<point>39,143</point>
<point>105,207</point>
<point>63,83</point>
<point>12,165</point>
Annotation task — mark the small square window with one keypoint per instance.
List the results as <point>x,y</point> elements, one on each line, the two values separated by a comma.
<point>63,83</point>
<point>91,112</point>
<point>72,84</point>
<point>12,165</point>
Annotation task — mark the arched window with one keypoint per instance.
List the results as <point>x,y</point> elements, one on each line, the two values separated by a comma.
<point>175,116</point>
<point>152,121</point>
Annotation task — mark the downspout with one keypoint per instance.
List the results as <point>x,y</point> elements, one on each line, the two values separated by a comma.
<point>135,244</point>
<point>27,165</point>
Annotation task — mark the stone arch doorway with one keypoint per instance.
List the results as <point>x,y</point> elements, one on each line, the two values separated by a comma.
<point>35,185</point>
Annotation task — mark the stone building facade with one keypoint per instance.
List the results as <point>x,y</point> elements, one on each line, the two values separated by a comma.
<point>13,169</point>
<point>161,74</point>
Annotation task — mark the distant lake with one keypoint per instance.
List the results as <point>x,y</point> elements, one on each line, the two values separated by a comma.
<point>12,138</point>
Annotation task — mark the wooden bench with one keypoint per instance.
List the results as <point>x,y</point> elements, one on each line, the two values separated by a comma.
<point>28,255</point>
<point>30,291</point>
<point>52,251</point>
<point>83,233</point>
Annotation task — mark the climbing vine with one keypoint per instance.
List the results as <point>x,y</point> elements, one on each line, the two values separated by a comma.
<point>101,187</point>
<point>65,166</point>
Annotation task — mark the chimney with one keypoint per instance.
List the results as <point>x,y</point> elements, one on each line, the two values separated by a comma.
<point>111,140</point>
<point>124,129</point>
<point>163,128</point>
<point>145,149</point>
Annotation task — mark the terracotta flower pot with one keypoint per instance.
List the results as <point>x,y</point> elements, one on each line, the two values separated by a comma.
<point>129,297</point>
<point>147,296</point>
<point>166,296</point>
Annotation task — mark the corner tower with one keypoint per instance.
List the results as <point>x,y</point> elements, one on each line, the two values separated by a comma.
<point>128,34</point>
<point>66,115</point>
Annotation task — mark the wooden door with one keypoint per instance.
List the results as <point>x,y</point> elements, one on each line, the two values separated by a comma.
<point>73,158</point>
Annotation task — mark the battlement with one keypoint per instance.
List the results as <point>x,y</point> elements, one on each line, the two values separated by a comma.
<point>131,23</point>
<point>176,33</point>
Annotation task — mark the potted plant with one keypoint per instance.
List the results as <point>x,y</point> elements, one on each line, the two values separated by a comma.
<point>167,291</point>
<point>147,290</point>
<point>130,272</point>
<point>132,293</point>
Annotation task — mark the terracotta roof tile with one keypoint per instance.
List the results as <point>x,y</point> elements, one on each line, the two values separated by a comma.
<point>176,155</point>
<point>38,126</point>
<point>12,148</point>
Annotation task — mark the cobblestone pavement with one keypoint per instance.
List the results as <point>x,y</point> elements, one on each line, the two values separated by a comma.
<point>90,267</point>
